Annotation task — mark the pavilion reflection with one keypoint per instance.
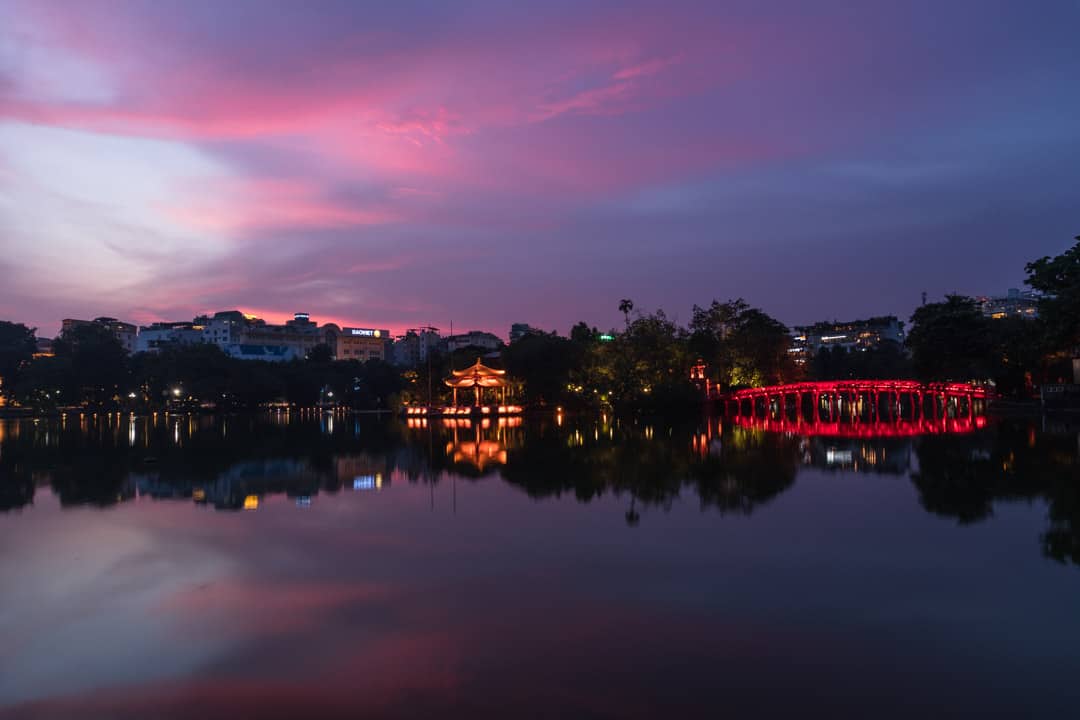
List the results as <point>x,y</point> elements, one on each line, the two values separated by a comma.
<point>481,444</point>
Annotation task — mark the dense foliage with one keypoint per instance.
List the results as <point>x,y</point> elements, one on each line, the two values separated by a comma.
<point>16,349</point>
<point>1058,279</point>
<point>953,340</point>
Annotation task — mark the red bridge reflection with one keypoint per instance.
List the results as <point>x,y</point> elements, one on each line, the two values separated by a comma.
<point>861,408</point>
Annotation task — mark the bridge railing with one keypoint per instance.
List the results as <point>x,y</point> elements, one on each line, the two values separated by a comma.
<point>859,401</point>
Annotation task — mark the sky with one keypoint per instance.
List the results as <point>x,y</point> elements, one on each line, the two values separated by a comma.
<point>409,163</point>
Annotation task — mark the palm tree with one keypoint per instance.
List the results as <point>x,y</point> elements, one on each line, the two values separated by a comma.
<point>626,306</point>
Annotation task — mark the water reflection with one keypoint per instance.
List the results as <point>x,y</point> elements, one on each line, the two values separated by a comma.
<point>275,566</point>
<point>232,463</point>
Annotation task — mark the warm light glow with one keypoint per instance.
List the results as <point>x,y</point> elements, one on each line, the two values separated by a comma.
<point>251,502</point>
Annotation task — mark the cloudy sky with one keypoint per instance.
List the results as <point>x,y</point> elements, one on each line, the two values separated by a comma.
<point>403,163</point>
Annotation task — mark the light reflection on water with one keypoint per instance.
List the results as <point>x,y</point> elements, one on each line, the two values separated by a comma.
<point>298,564</point>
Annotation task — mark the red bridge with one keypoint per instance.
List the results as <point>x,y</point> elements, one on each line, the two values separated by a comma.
<point>861,407</point>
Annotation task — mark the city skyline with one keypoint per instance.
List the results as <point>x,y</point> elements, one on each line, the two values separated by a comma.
<point>1000,303</point>
<point>490,164</point>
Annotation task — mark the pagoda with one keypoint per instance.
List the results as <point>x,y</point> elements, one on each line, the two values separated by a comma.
<point>479,377</point>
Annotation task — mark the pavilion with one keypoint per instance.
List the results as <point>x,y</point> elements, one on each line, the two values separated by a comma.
<point>479,377</point>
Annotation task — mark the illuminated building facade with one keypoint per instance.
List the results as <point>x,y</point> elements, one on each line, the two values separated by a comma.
<point>43,347</point>
<point>1014,304</point>
<point>361,344</point>
<point>856,335</point>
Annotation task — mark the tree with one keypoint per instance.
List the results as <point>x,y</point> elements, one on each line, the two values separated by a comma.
<point>649,365</point>
<point>759,344</point>
<point>98,363</point>
<point>321,353</point>
<point>886,361</point>
<point>582,334</point>
<point>17,345</point>
<point>1058,279</point>
<point>950,340</point>
<point>743,345</point>
<point>42,383</point>
<point>201,371</point>
<point>543,363</point>
<point>1016,354</point>
<point>626,306</point>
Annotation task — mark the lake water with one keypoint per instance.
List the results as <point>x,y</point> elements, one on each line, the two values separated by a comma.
<point>307,565</point>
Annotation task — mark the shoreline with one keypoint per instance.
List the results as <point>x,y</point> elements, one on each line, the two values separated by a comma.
<point>998,409</point>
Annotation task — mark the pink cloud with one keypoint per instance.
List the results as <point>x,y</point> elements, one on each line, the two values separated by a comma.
<point>611,98</point>
<point>647,68</point>
<point>250,204</point>
<point>419,125</point>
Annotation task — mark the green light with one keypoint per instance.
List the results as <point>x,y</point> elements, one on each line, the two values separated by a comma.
<point>606,338</point>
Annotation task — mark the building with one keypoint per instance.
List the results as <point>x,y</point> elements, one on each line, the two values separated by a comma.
<point>522,330</point>
<point>231,329</point>
<point>856,335</point>
<point>126,333</point>
<point>299,334</point>
<point>152,338</point>
<point>412,348</point>
<point>43,347</point>
<point>225,328</point>
<point>477,338</point>
<point>1015,303</point>
<point>361,344</point>
<point>266,353</point>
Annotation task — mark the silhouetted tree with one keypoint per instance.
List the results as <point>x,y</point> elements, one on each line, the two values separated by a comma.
<point>582,334</point>
<point>98,363</point>
<point>950,340</point>
<point>1058,279</point>
<point>543,364</point>
<point>886,361</point>
<point>17,345</point>
<point>321,353</point>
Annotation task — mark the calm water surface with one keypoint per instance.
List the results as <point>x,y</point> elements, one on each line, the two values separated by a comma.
<point>326,566</point>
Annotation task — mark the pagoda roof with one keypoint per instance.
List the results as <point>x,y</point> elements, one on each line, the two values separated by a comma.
<point>477,375</point>
<point>478,369</point>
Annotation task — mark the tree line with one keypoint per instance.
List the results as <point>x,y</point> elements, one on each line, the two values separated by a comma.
<point>645,365</point>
